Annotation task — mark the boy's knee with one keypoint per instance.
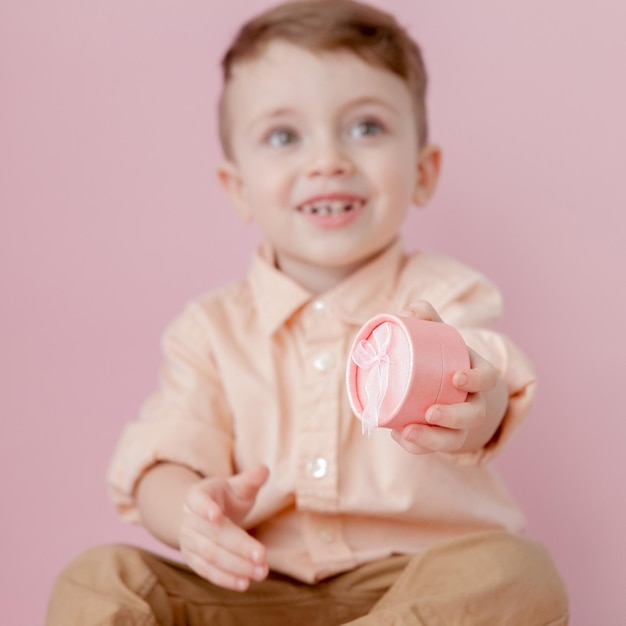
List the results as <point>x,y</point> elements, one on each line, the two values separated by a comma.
<point>526,568</point>
<point>494,577</point>
<point>101,563</point>
<point>105,569</point>
<point>99,583</point>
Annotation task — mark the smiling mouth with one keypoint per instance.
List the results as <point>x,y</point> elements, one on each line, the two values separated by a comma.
<point>331,207</point>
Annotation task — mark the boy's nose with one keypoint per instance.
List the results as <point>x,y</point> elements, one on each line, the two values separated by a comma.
<point>328,160</point>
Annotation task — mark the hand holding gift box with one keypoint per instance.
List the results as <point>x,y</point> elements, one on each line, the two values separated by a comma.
<point>400,366</point>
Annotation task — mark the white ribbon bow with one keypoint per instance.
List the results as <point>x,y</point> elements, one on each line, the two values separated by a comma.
<point>376,360</point>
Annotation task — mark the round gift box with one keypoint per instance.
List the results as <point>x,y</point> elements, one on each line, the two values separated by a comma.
<point>421,357</point>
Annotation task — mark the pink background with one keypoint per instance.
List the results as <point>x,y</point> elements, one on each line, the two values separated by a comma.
<point>112,218</point>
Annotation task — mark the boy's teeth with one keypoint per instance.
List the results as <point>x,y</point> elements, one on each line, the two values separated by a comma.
<point>334,207</point>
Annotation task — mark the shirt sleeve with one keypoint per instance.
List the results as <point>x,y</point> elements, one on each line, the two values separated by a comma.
<point>187,421</point>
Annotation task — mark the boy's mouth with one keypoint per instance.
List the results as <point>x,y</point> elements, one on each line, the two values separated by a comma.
<point>327,206</point>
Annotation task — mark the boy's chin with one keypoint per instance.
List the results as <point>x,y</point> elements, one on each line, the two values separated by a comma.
<point>342,260</point>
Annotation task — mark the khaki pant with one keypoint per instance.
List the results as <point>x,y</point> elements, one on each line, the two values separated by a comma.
<point>482,579</point>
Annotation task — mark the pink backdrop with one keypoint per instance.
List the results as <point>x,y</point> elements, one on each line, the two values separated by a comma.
<point>112,218</point>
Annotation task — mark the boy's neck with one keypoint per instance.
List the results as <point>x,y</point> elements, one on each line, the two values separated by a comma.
<point>317,279</point>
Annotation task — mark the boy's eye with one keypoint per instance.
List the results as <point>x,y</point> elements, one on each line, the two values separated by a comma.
<point>281,137</point>
<point>367,128</point>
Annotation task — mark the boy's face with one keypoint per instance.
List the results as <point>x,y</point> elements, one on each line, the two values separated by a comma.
<point>325,155</point>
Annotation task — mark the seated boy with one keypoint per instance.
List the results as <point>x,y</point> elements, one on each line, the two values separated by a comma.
<point>249,460</point>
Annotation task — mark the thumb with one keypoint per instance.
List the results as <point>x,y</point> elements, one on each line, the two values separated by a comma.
<point>422,310</point>
<point>246,485</point>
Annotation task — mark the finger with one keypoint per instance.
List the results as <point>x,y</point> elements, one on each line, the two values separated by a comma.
<point>422,310</point>
<point>219,564</point>
<point>237,562</point>
<point>432,438</point>
<point>225,534</point>
<point>461,416</point>
<point>482,376</point>
<point>217,576</point>
<point>409,446</point>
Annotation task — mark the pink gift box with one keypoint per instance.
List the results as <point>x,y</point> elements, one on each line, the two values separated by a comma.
<point>400,366</point>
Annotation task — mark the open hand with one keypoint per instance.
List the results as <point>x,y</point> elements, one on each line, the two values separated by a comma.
<point>211,539</point>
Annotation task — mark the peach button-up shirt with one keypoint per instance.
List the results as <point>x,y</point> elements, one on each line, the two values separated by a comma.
<point>255,373</point>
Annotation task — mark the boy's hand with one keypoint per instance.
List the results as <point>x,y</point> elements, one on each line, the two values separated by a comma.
<point>211,540</point>
<point>459,427</point>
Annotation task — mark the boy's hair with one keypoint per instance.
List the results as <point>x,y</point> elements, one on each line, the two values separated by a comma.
<point>331,26</point>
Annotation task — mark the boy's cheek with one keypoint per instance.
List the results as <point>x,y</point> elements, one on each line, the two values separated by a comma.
<point>398,182</point>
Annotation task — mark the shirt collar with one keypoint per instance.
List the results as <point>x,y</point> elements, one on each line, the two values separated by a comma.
<point>362,295</point>
<point>276,295</point>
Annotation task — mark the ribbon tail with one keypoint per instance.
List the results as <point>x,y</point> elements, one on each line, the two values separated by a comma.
<point>376,360</point>
<point>375,389</point>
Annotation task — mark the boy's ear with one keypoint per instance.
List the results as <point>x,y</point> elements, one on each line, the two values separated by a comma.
<point>230,178</point>
<point>428,168</point>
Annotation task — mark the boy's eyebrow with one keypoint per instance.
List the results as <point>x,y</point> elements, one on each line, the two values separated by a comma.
<point>268,115</point>
<point>365,100</point>
<point>351,104</point>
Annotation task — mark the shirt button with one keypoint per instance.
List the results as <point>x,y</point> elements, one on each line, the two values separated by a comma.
<point>320,307</point>
<point>325,534</point>
<point>318,467</point>
<point>323,362</point>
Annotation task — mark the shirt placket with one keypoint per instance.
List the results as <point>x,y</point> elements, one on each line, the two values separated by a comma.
<point>317,493</point>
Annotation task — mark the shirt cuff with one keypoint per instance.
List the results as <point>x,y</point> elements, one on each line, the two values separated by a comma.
<point>190,443</point>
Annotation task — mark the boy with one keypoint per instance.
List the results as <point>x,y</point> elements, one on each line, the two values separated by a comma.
<point>249,460</point>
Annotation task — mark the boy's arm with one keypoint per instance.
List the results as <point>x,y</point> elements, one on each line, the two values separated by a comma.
<point>202,518</point>
<point>157,470</point>
<point>165,483</point>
